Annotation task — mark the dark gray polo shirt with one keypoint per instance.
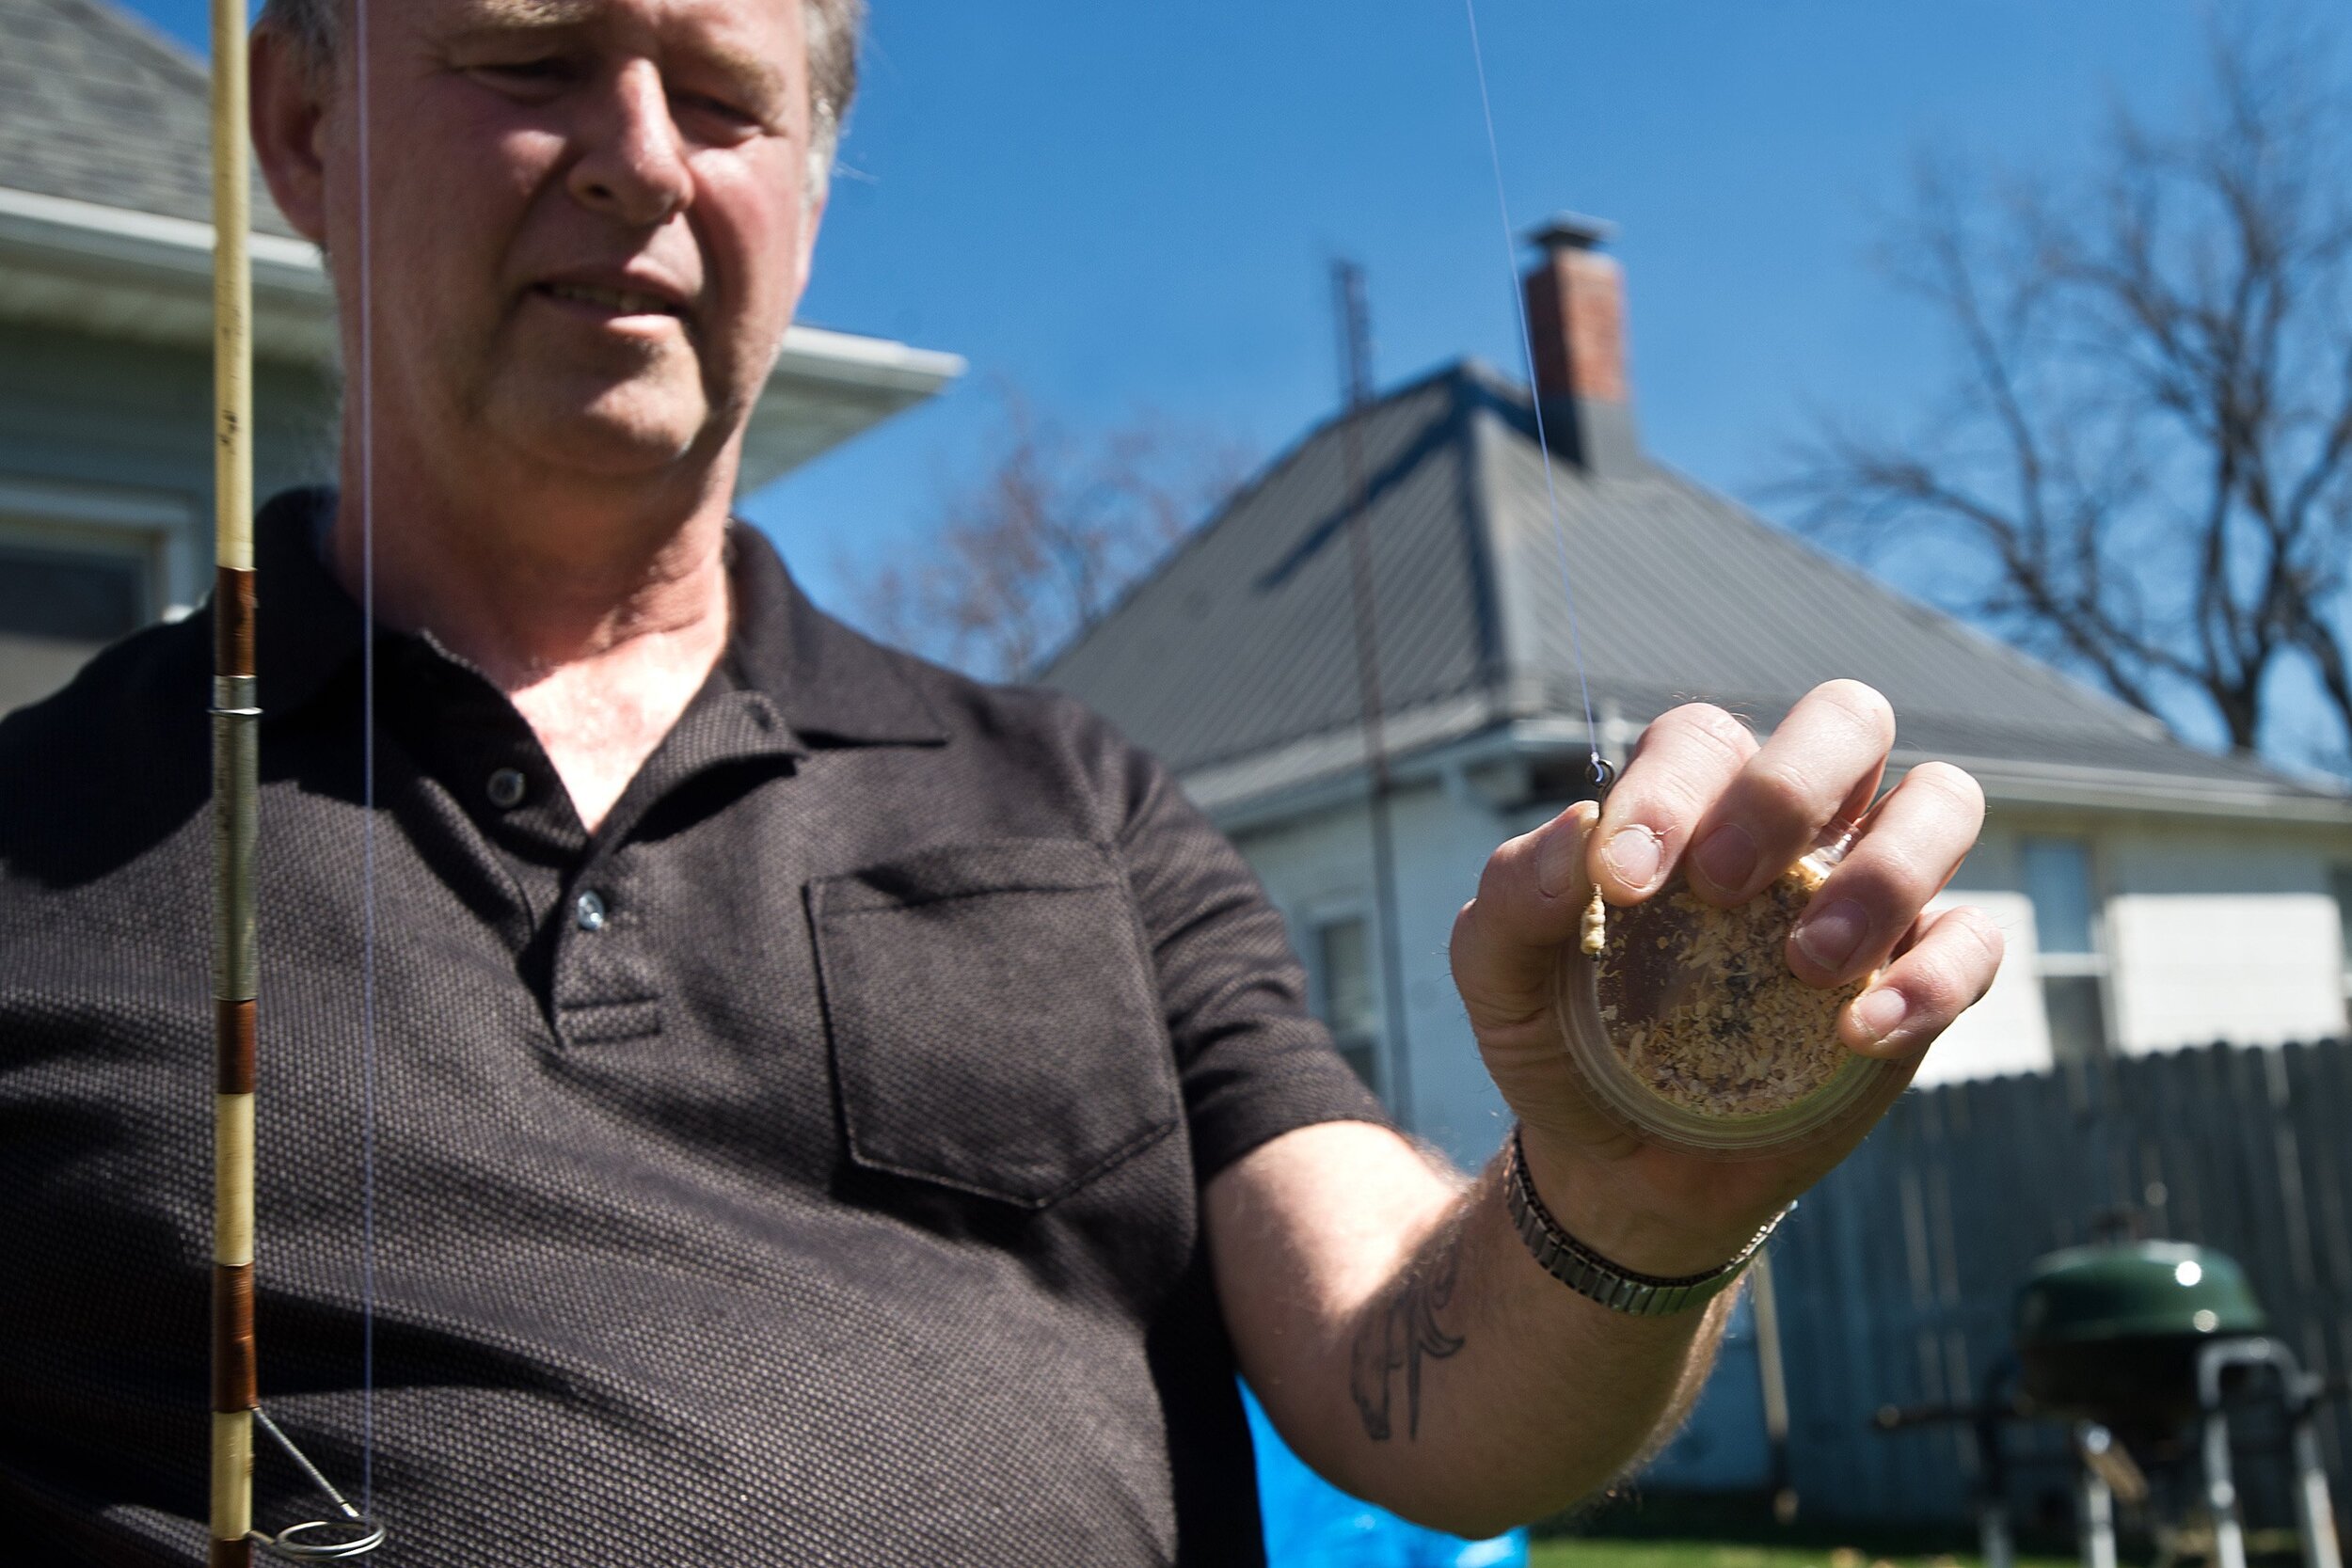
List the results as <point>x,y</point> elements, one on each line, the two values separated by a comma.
<point>803,1168</point>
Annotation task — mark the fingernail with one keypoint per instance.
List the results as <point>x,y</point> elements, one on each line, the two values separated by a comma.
<point>1881,1012</point>
<point>1728,858</point>
<point>1634,854</point>
<point>1831,937</point>
<point>1555,863</point>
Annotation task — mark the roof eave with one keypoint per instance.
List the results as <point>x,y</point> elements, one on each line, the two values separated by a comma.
<point>1318,773</point>
<point>2010,783</point>
<point>827,387</point>
<point>146,278</point>
<point>1315,772</point>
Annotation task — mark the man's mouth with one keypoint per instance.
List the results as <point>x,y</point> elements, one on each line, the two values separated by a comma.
<point>624,302</point>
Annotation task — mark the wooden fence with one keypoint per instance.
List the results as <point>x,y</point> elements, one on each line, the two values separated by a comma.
<point>1895,1276</point>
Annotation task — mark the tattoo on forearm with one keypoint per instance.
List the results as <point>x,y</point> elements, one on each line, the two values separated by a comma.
<point>1400,1332</point>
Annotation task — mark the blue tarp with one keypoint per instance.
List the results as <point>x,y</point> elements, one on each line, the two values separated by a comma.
<point>1311,1522</point>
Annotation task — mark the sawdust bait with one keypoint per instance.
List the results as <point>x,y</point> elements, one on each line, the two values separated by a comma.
<point>1697,1036</point>
<point>1689,1027</point>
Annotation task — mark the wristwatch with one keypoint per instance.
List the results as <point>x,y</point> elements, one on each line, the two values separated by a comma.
<point>1588,1273</point>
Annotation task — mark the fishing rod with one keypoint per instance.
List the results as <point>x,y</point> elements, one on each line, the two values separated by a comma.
<point>236,717</point>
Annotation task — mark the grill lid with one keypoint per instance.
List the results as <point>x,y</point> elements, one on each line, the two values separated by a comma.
<point>2113,1290</point>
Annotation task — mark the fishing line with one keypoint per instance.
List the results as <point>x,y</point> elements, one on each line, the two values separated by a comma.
<point>1601,772</point>
<point>367,778</point>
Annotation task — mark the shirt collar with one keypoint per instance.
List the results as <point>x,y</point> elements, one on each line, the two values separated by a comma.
<point>831,683</point>
<point>828,682</point>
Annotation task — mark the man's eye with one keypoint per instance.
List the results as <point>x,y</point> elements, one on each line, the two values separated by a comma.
<point>719,110</point>
<point>546,70</point>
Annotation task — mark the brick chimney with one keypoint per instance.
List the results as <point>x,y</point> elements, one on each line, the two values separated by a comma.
<point>1576,330</point>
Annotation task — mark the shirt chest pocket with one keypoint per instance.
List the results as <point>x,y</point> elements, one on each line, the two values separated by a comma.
<point>993,1023</point>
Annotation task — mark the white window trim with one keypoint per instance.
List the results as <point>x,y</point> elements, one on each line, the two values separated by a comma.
<point>2340,887</point>
<point>1317,916</point>
<point>2069,966</point>
<point>1332,913</point>
<point>2097,964</point>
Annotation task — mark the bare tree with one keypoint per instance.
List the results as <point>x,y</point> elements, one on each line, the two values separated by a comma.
<point>1038,547</point>
<point>2145,455</point>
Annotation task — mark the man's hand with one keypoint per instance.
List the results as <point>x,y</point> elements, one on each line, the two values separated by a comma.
<point>1701,797</point>
<point>1401,1334</point>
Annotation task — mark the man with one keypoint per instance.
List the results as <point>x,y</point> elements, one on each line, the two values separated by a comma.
<point>826,1110</point>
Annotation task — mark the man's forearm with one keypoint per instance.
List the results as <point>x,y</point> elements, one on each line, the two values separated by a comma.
<point>1464,1386</point>
<point>1487,1393</point>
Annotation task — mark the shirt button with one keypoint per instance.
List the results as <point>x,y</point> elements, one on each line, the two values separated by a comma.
<point>589,912</point>
<point>506,787</point>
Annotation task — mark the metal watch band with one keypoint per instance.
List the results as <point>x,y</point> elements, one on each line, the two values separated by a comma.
<point>1588,1273</point>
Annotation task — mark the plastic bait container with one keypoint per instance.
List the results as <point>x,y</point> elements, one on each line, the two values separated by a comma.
<point>1689,1029</point>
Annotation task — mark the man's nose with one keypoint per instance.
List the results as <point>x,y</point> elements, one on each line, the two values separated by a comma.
<point>634,168</point>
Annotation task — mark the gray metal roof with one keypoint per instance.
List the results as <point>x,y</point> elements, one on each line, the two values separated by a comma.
<point>1235,661</point>
<point>97,106</point>
<point>1243,639</point>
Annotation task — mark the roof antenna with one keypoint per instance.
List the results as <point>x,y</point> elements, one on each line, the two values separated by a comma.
<point>1352,316</point>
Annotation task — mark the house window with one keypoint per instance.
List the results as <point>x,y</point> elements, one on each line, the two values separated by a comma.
<point>1345,993</point>
<point>2070,965</point>
<point>58,605</point>
<point>69,595</point>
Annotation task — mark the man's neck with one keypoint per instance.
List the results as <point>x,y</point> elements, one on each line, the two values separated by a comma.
<point>599,612</point>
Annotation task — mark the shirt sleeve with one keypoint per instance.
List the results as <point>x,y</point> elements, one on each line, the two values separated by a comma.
<point>1253,1063</point>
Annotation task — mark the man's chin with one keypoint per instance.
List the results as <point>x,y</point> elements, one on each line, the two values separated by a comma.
<point>616,437</point>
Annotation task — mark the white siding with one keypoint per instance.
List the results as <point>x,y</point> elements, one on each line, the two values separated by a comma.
<point>2004,1032</point>
<point>2221,934</point>
<point>1320,867</point>
<point>108,445</point>
<point>1443,838</point>
<point>2211,930</point>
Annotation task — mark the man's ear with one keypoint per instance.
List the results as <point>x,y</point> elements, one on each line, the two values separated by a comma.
<point>287,116</point>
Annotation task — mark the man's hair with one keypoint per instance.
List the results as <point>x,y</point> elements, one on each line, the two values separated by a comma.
<point>315,27</point>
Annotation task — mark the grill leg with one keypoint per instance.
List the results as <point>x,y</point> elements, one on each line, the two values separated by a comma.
<point>2095,1501</point>
<point>1998,1547</point>
<point>2229,1536</point>
<point>2315,1513</point>
<point>1993,1537</point>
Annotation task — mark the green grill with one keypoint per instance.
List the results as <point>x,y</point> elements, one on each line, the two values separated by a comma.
<point>2111,1332</point>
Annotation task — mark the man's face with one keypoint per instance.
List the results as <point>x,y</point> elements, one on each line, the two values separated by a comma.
<point>589,221</point>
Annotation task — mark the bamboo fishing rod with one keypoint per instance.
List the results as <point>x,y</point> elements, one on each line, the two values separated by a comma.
<point>236,715</point>
<point>236,786</point>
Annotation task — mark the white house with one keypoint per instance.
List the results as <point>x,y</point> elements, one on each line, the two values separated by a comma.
<point>106,343</point>
<point>2154,895</point>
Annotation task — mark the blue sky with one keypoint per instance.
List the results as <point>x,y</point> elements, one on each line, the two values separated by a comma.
<point>1118,208</point>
